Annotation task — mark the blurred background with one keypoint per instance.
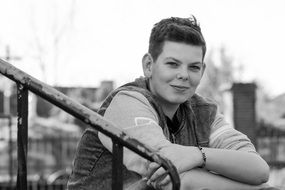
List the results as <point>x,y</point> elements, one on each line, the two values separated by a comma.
<point>87,48</point>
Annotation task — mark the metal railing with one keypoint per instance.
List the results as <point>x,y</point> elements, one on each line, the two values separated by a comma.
<point>26,83</point>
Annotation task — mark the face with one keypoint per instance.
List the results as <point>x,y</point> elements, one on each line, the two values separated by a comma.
<point>176,73</point>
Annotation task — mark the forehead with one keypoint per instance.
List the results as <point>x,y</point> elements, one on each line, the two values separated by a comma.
<point>180,50</point>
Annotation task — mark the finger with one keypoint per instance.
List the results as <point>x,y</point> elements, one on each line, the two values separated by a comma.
<point>156,185</point>
<point>153,165</point>
<point>165,181</point>
<point>159,174</point>
<point>152,169</point>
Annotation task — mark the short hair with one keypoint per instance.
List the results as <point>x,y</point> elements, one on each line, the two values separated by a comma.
<point>186,30</point>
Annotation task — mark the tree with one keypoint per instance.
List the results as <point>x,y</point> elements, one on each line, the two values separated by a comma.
<point>219,75</point>
<point>51,23</point>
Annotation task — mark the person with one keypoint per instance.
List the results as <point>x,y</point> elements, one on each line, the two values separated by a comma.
<point>163,111</point>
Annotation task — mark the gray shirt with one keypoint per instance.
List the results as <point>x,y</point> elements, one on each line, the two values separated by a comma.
<point>132,113</point>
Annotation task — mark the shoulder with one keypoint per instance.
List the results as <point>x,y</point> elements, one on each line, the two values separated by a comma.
<point>198,100</point>
<point>205,109</point>
<point>220,126</point>
<point>126,97</point>
<point>126,106</point>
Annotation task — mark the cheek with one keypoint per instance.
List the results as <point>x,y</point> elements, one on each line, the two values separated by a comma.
<point>195,79</point>
<point>168,76</point>
<point>163,76</point>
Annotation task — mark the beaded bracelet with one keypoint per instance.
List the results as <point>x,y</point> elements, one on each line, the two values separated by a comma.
<point>203,156</point>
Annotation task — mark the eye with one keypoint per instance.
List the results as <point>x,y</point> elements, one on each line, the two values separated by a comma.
<point>195,68</point>
<point>172,64</point>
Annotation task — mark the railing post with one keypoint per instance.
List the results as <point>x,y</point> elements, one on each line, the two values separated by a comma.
<point>117,166</point>
<point>22,107</point>
<point>10,152</point>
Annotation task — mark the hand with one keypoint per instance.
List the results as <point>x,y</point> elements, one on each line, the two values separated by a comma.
<point>184,158</point>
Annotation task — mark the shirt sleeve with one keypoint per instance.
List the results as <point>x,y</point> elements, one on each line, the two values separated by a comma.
<point>224,136</point>
<point>131,112</point>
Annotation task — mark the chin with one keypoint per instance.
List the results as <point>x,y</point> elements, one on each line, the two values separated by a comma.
<point>179,100</point>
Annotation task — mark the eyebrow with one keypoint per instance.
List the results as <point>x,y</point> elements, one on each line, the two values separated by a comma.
<point>177,60</point>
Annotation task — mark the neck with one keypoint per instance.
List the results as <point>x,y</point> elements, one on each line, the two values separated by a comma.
<point>169,110</point>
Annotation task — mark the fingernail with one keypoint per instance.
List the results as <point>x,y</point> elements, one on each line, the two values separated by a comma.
<point>148,182</point>
<point>145,178</point>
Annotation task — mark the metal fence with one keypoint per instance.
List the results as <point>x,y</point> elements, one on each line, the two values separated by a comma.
<point>271,145</point>
<point>26,83</point>
<point>36,186</point>
<point>46,156</point>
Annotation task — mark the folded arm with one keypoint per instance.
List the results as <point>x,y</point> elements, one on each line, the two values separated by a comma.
<point>131,112</point>
<point>202,179</point>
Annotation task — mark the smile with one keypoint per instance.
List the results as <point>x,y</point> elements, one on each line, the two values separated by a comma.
<point>180,88</point>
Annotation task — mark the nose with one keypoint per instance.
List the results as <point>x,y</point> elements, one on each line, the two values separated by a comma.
<point>182,74</point>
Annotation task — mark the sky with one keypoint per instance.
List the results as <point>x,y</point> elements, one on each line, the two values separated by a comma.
<point>81,43</point>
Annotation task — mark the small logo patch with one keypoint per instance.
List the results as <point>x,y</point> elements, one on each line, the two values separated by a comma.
<point>143,121</point>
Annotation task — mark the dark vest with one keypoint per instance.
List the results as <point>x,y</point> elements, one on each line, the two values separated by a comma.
<point>195,115</point>
<point>93,162</point>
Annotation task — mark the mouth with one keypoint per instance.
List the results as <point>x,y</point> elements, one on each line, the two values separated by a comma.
<point>180,88</point>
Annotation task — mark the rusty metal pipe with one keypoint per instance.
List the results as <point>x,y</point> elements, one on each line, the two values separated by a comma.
<point>88,116</point>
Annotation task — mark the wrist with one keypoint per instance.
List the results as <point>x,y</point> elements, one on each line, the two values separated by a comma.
<point>203,157</point>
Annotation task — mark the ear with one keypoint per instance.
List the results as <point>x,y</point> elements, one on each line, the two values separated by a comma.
<point>147,62</point>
